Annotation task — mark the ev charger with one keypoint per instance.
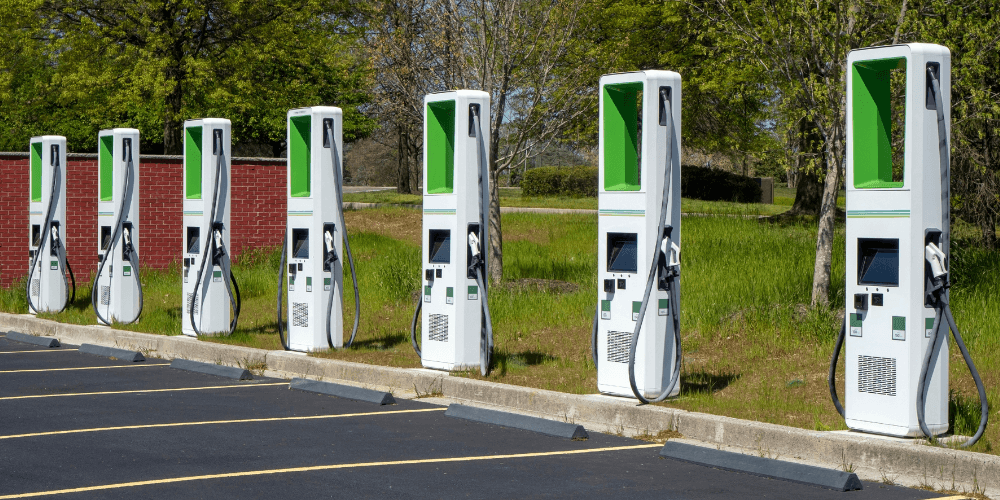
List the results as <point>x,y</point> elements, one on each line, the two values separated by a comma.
<point>316,235</point>
<point>898,203</point>
<point>636,338</point>
<point>48,289</point>
<point>456,331</point>
<point>116,294</point>
<point>208,285</point>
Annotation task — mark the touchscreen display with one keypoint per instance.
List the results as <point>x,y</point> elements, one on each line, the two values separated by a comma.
<point>440,251</point>
<point>622,253</point>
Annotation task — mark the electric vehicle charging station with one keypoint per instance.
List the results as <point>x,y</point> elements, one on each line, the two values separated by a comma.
<point>636,339</point>
<point>116,294</point>
<point>898,224</point>
<point>48,289</point>
<point>456,330</point>
<point>209,288</point>
<point>315,235</point>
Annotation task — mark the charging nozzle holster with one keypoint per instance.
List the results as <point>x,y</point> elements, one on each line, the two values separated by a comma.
<point>329,250</point>
<point>668,263</point>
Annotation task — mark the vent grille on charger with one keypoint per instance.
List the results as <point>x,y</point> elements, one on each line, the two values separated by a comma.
<point>438,327</point>
<point>877,375</point>
<point>300,314</point>
<point>191,304</point>
<point>105,295</point>
<point>619,344</point>
<point>34,288</point>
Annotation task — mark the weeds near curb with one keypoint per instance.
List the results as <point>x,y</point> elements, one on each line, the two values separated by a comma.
<point>433,393</point>
<point>846,466</point>
<point>887,479</point>
<point>255,366</point>
<point>660,437</point>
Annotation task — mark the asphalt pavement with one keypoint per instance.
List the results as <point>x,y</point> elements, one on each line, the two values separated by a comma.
<point>75,425</point>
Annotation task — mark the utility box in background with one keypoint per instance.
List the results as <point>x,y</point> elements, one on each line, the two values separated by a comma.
<point>766,189</point>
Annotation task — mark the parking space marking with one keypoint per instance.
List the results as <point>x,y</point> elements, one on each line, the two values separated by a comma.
<point>212,422</point>
<point>325,467</point>
<point>84,368</point>
<point>139,391</point>
<point>38,350</point>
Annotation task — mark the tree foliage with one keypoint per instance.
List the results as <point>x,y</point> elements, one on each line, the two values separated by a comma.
<point>154,63</point>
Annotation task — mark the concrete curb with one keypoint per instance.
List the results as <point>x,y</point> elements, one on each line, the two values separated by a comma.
<point>763,467</point>
<point>112,352</point>
<point>513,420</point>
<point>342,391</point>
<point>911,463</point>
<point>34,340</point>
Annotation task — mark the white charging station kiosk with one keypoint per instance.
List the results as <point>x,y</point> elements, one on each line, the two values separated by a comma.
<point>637,348</point>
<point>316,234</point>
<point>116,294</point>
<point>456,331</point>
<point>898,203</point>
<point>208,286</point>
<point>48,289</point>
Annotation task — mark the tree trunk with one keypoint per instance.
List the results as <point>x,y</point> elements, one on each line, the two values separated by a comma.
<point>988,226</point>
<point>824,237</point>
<point>403,185</point>
<point>808,194</point>
<point>172,125</point>
<point>496,233</point>
<point>809,189</point>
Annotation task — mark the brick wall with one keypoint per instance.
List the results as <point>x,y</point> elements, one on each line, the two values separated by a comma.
<point>258,198</point>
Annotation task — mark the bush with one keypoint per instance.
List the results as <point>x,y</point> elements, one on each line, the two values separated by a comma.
<point>718,185</point>
<point>560,181</point>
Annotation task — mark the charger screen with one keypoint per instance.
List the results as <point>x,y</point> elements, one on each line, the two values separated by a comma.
<point>623,254</point>
<point>878,261</point>
<point>440,251</point>
<point>300,243</point>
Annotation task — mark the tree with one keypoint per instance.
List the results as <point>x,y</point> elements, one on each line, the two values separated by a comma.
<point>728,103</point>
<point>969,29</point>
<point>154,63</point>
<point>804,46</point>
<point>526,55</point>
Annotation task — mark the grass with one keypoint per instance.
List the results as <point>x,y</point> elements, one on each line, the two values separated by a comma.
<point>512,197</point>
<point>752,349</point>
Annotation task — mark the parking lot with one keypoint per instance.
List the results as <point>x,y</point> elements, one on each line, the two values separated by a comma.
<point>75,425</point>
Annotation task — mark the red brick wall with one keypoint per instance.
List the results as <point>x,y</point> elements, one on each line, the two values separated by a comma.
<point>258,198</point>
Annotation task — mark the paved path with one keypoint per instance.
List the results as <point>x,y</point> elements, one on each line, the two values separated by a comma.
<point>74,426</point>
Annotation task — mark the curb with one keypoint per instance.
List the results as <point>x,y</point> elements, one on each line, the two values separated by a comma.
<point>942,467</point>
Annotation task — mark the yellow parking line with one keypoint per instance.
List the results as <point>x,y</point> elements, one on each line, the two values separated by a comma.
<point>325,467</point>
<point>139,391</point>
<point>38,350</point>
<point>82,368</point>
<point>954,497</point>
<point>211,422</point>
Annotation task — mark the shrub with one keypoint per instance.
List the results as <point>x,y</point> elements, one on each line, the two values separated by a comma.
<point>708,184</point>
<point>560,181</point>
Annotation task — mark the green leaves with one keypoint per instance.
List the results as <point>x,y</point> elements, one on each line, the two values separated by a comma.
<point>154,63</point>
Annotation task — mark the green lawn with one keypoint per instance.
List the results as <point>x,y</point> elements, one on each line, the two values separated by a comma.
<point>511,197</point>
<point>752,348</point>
